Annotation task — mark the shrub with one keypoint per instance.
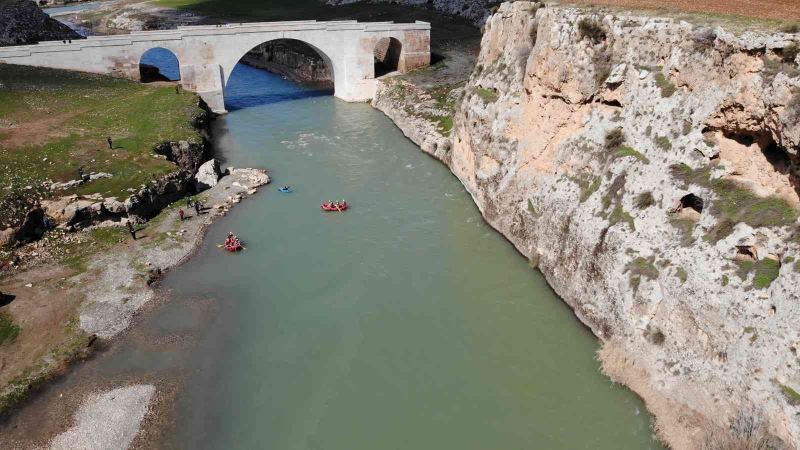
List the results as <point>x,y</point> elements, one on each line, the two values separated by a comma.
<point>645,200</point>
<point>487,95</point>
<point>643,267</point>
<point>681,274</point>
<point>614,138</point>
<point>666,86</point>
<point>790,52</point>
<point>791,28</point>
<point>592,30</point>
<point>703,39</point>
<point>747,432</point>
<point>663,143</point>
<point>725,280</point>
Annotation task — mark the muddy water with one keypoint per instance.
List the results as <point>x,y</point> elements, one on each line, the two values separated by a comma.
<point>404,323</point>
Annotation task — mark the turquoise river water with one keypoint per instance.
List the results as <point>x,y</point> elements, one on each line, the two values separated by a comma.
<point>404,323</point>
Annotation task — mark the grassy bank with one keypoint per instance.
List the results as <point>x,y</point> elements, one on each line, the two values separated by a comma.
<point>54,122</point>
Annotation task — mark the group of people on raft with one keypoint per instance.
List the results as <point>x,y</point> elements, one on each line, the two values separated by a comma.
<point>334,205</point>
<point>232,243</point>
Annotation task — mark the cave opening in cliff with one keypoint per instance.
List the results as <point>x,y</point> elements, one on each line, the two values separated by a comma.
<point>276,71</point>
<point>159,64</point>
<point>387,56</point>
<point>692,202</point>
<point>759,161</point>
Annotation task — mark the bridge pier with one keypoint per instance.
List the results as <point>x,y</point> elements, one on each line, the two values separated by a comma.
<point>206,81</point>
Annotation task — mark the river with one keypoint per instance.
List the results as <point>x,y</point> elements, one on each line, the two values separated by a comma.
<point>404,323</point>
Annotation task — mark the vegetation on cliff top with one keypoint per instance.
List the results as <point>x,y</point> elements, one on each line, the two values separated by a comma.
<point>53,122</point>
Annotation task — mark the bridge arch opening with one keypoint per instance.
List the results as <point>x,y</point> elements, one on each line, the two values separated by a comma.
<point>303,71</point>
<point>387,53</point>
<point>159,64</point>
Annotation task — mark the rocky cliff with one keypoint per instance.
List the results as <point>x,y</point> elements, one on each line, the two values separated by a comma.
<point>22,22</point>
<point>648,168</point>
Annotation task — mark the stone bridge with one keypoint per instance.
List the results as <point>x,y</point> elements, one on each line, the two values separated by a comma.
<point>207,54</point>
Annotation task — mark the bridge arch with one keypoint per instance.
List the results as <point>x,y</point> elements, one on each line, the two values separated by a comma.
<point>387,54</point>
<point>241,52</point>
<point>276,54</point>
<point>159,64</point>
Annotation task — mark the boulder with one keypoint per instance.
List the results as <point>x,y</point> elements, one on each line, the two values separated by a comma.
<point>207,175</point>
<point>32,228</point>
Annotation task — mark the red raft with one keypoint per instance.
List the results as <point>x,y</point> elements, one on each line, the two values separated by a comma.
<point>233,244</point>
<point>233,247</point>
<point>333,207</point>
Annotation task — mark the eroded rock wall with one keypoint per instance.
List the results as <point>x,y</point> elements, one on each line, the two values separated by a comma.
<point>648,168</point>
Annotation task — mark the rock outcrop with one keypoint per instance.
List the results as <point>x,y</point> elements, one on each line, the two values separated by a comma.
<point>22,22</point>
<point>648,168</point>
<point>207,176</point>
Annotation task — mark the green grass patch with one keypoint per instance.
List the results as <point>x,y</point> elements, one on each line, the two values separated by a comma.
<point>663,143</point>
<point>76,255</point>
<point>620,215</point>
<point>87,108</point>
<point>680,272</point>
<point>643,267</point>
<point>487,95</point>
<point>792,396</point>
<point>735,204</point>
<point>666,86</point>
<point>725,280</point>
<point>588,187</point>
<point>625,151</point>
<point>8,329</point>
<point>766,271</point>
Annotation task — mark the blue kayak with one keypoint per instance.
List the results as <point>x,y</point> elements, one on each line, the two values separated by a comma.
<point>285,190</point>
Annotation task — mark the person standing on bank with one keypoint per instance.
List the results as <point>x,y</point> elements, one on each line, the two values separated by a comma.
<point>132,230</point>
<point>110,143</point>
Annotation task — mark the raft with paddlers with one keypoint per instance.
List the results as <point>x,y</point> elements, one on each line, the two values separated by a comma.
<point>334,206</point>
<point>232,243</point>
<point>285,189</point>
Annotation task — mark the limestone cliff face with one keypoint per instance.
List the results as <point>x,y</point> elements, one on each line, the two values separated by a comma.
<point>648,167</point>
